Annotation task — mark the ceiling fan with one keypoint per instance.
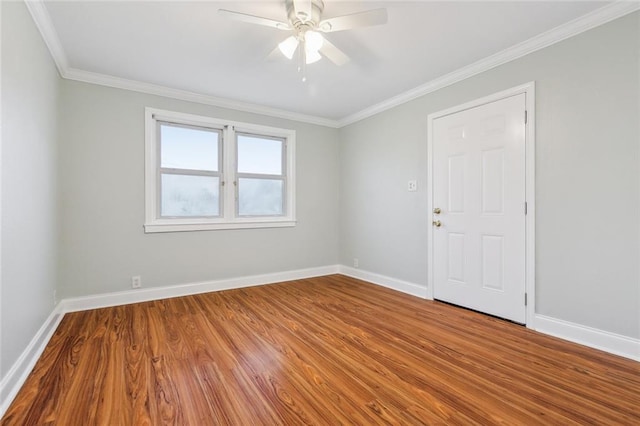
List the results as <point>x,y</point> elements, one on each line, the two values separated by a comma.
<point>304,18</point>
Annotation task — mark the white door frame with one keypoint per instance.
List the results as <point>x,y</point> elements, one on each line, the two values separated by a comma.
<point>530,150</point>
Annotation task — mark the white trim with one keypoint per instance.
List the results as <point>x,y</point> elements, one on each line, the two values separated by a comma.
<point>20,370</point>
<point>156,293</point>
<point>584,23</point>
<point>15,378</point>
<point>43,22</point>
<point>2,379</point>
<point>228,218</point>
<point>385,281</point>
<point>189,227</point>
<point>530,198</point>
<point>168,92</point>
<point>45,25</point>
<point>617,344</point>
<point>529,90</point>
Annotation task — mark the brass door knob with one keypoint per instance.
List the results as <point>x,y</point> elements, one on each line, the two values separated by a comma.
<point>437,210</point>
<point>437,223</point>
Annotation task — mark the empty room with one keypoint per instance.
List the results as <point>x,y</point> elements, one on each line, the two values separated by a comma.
<point>286,212</point>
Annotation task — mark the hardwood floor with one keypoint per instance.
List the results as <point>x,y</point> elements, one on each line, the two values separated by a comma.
<point>328,350</point>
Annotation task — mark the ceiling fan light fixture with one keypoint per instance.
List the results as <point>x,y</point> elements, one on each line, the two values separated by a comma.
<point>313,41</point>
<point>288,47</point>
<point>304,19</point>
<point>312,56</point>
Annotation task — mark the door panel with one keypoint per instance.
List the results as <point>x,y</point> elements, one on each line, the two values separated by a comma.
<point>493,181</point>
<point>493,262</point>
<point>479,185</point>
<point>456,257</point>
<point>456,183</point>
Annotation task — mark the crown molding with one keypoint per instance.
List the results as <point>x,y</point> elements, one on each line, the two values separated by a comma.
<point>591,20</point>
<point>579,25</point>
<point>43,22</point>
<point>168,92</point>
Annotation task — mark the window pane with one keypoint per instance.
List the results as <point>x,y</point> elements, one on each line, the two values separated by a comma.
<point>185,196</point>
<point>188,148</point>
<point>260,197</point>
<point>259,155</point>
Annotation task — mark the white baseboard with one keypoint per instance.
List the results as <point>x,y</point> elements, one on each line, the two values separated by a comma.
<point>617,344</point>
<point>20,370</point>
<point>383,280</point>
<point>156,293</point>
<point>15,378</point>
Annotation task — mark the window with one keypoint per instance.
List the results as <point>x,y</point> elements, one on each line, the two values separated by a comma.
<point>189,169</point>
<point>205,174</point>
<point>260,175</point>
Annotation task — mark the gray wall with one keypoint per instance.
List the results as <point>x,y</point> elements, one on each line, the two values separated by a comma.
<point>29,189</point>
<point>587,177</point>
<point>102,213</point>
<point>351,186</point>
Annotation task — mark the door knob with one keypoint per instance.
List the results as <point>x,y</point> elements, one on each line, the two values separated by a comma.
<point>437,223</point>
<point>437,210</point>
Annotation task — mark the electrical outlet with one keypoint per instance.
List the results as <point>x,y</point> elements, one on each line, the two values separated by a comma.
<point>412,186</point>
<point>136,282</point>
<point>356,262</point>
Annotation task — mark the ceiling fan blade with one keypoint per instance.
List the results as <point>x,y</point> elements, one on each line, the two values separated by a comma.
<point>332,53</point>
<point>274,55</point>
<point>360,19</point>
<point>254,19</point>
<point>302,9</point>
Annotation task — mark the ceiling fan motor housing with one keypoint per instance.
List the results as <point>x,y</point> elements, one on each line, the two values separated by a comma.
<point>300,19</point>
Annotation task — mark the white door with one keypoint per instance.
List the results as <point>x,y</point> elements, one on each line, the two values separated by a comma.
<point>479,202</point>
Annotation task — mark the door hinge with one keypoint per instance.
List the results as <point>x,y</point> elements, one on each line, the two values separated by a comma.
<point>525,208</point>
<point>526,116</point>
<point>525,299</point>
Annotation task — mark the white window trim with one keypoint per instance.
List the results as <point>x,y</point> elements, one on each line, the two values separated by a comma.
<point>228,218</point>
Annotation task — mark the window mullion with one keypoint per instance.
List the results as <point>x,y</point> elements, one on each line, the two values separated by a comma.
<point>285,173</point>
<point>229,172</point>
<point>158,174</point>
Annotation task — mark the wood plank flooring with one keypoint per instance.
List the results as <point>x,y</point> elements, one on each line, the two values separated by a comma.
<point>326,351</point>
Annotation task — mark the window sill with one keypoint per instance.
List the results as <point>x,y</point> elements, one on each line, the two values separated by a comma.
<point>203,226</point>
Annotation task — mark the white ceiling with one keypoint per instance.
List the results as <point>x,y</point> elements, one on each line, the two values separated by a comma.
<point>188,46</point>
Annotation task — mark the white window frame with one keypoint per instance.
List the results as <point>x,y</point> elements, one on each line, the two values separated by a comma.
<point>187,172</point>
<point>228,218</point>
<point>240,175</point>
